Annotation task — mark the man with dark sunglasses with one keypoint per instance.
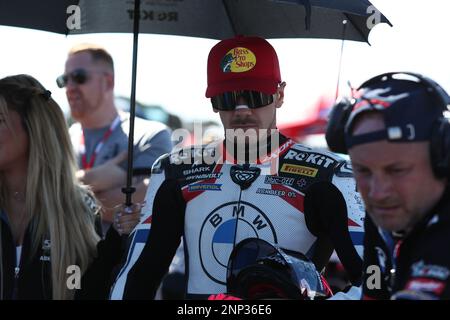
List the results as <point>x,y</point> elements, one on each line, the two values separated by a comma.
<point>254,183</point>
<point>100,134</point>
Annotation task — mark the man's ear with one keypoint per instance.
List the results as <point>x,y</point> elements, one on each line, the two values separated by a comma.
<point>109,81</point>
<point>280,94</point>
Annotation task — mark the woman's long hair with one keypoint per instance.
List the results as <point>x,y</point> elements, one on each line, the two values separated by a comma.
<point>55,200</point>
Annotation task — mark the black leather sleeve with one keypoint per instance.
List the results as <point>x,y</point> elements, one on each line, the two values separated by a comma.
<point>97,280</point>
<point>165,234</point>
<point>326,216</point>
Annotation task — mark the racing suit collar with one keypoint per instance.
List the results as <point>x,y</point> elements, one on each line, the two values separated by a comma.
<point>271,151</point>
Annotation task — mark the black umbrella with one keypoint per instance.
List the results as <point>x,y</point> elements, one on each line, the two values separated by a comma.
<point>215,19</point>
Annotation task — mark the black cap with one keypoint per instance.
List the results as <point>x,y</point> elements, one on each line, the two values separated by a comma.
<point>410,106</point>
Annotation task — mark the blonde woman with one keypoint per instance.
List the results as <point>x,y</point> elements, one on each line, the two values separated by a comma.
<point>47,219</point>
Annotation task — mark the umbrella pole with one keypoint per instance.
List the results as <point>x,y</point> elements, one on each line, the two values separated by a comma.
<point>344,28</point>
<point>129,189</point>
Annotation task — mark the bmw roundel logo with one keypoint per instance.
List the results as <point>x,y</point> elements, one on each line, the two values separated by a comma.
<point>218,235</point>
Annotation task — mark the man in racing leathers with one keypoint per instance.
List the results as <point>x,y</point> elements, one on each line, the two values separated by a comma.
<point>214,196</point>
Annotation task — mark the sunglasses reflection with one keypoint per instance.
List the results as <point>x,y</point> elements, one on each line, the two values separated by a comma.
<point>229,101</point>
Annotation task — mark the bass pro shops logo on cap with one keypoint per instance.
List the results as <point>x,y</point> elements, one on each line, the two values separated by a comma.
<point>242,63</point>
<point>238,59</point>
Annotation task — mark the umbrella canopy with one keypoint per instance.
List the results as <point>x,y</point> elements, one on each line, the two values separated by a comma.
<point>215,19</point>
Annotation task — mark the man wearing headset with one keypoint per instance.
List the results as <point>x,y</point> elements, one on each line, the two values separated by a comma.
<point>254,183</point>
<point>398,139</point>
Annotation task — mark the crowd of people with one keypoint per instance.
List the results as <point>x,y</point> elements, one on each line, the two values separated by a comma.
<point>254,205</point>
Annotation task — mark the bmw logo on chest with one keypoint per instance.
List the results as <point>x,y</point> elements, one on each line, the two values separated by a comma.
<point>225,227</point>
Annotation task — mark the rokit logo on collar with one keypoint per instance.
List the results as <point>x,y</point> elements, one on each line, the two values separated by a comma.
<point>244,175</point>
<point>312,158</point>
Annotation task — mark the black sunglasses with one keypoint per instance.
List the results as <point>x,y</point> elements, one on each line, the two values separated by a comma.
<point>79,76</point>
<point>227,101</point>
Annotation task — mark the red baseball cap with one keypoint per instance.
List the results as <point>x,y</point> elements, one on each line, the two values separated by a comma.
<point>242,63</point>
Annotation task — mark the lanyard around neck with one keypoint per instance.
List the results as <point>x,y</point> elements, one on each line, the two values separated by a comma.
<point>98,147</point>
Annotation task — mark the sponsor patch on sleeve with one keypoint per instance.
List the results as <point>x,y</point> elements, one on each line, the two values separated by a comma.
<point>299,170</point>
<point>426,285</point>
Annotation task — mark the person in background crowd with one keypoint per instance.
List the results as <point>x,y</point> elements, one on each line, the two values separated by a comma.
<point>100,136</point>
<point>47,218</point>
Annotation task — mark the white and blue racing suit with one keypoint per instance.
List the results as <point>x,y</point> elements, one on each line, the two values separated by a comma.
<point>302,199</point>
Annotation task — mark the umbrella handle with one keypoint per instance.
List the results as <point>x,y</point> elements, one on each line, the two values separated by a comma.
<point>128,191</point>
<point>344,29</point>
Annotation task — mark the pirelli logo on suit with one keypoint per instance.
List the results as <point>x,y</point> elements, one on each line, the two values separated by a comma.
<point>299,170</point>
